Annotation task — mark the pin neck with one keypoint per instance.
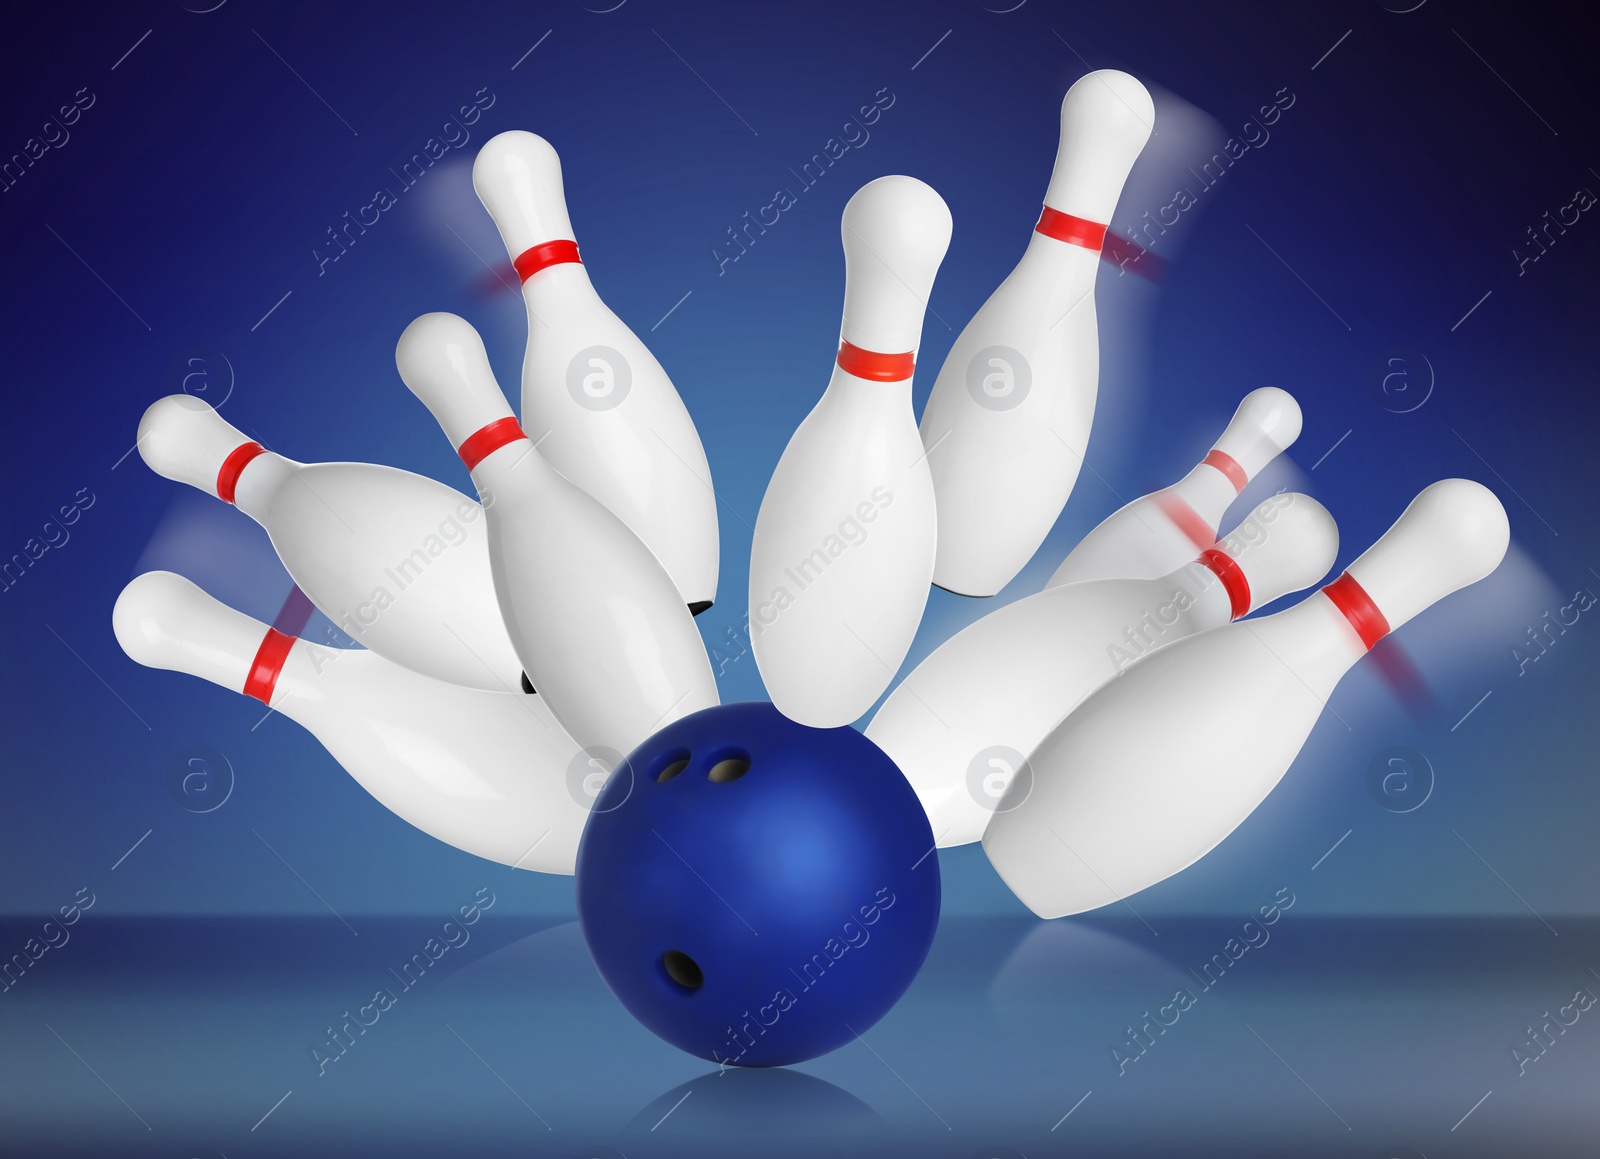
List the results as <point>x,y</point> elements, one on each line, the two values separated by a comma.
<point>477,447</point>
<point>1186,519</point>
<point>228,475</point>
<point>1352,599</point>
<point>268,665</point>
<point>1227,569</point>
<point>875,367</point>
<point>1091,235</point>
<point>551,253</point>
<point>1229,466</point>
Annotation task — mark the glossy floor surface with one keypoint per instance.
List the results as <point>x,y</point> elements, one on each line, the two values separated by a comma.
<point>1309,1036</point>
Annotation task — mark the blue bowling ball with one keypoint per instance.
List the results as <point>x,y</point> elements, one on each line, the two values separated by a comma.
<point>754,891</point>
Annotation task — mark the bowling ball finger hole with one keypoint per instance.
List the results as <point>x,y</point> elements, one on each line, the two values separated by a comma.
<point>728,768</point>
<point>682,970</point>
<point>672,764</point>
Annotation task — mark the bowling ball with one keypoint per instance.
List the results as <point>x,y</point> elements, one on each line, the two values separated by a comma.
<point>755,891</point>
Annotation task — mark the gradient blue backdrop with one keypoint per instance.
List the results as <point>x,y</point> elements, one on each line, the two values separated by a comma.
<point>197,190</point>
<point>177,230</point>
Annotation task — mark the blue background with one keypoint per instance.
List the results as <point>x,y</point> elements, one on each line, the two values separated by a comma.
<point>1364,256</point>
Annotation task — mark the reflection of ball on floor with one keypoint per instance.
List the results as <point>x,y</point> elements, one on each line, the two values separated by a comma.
<point>757,892</point>
<point>741,1112</point>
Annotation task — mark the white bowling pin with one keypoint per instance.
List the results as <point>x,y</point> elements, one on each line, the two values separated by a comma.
<point>594,617</point>
<point>398,561</point>
<point>844,541</point>
<point>1157,532</point>
<point>1157,767</point>
<point>961,725</point>
<point>491,773</point>
<point>1008,420</point>
<point>594,398</point>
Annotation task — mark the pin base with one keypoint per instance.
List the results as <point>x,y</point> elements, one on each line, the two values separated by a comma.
<point>699,606</point>
<point>527,685</point>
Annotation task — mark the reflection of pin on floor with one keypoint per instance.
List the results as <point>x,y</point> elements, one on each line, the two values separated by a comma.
<point>1030,981</point>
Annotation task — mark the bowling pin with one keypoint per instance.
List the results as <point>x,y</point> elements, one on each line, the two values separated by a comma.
<point>961,725</point>
<point>1008,420</point>
<point>491,773</point>
<point>1154,769</point>
<point>398,561</point>
<point>593,615</point>
<point>594,398</point>
<point>844,540</point>
<point>1154,534</point>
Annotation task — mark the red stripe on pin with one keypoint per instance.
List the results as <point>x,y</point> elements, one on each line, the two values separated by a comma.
<point>481,444</point>
<point>875,367</point>
<point>267,665</point>
<point>1091,235</point>
<point>540,257</point>
<point>1352,599</point>
<point>1186,519</point>
<point>1229,466</point>
<point>1227,569</point>
<point>228,475</point>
